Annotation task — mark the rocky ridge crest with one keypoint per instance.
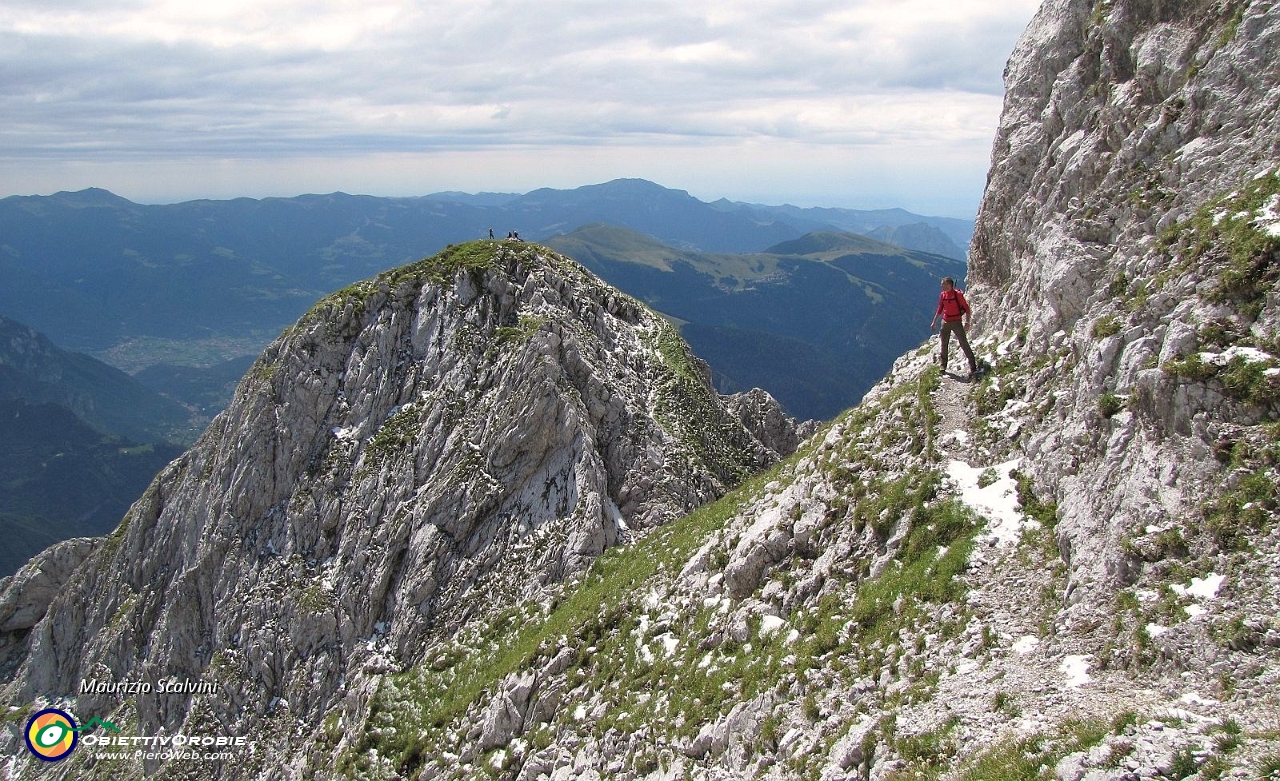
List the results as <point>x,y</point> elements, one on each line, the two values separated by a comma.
<point>423,449</point>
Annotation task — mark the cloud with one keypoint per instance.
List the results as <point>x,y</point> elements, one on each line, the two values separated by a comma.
<point>90,82</point>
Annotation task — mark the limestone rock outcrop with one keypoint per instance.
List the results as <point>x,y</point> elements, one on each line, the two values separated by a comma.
<point>1129,226</point>
<point>422,450</point>
<point>765,418</point>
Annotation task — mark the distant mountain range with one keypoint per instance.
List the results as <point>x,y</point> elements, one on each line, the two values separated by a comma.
<point>946,232</point>
<point>61,478</point>
<point>183,295</point>
<point>94,271</point>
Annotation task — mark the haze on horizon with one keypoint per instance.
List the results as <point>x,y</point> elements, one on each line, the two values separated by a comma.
<point>862,104</point>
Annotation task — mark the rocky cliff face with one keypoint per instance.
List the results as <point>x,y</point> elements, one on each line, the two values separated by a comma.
<point>422,450</point>
<point>1130,227</point>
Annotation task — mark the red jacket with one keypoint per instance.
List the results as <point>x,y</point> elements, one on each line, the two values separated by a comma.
<point>952,306</point>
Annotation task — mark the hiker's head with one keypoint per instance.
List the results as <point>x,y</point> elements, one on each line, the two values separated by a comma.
<point>948,283</point>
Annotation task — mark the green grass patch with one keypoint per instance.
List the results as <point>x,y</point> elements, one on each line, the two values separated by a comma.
<point>1225,229</point>
<point>997,388</point>
<point>1109,404</point>
<point>1232,26</point>
<point>523,332</point>
<point>442,268</point>
<point>929,753</point>
<point>1241,379</point>
<point>396,435</point>
<point>1027,759</point>
<point>1046,512</point>
<point>1248,381</point>
<point>1190,367</point>
<point>935,551</point>
<point>1101,9</point>
<point>689,410</point>
<point>1250,506</point>
<point>1105,326</point>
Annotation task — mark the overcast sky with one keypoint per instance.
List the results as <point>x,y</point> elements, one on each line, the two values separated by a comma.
<point>860,103</point>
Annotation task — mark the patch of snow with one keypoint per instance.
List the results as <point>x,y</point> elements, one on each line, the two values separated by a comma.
<point>997,502</point>
<point>1015,406</point>
<point>670,643</point>
<point>1249,354</point>
<point>1026,644</point>
<point>1201,588</point>
<point>1195,611</point>
<point>615,514</point>
<point>1155,630</point>
<point>1268,219</point>
<point>1076,668</point>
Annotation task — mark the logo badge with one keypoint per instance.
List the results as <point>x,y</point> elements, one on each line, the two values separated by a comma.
<point>51,734</point>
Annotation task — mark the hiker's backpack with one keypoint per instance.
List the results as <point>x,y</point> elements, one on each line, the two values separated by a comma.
<point>952,308</point>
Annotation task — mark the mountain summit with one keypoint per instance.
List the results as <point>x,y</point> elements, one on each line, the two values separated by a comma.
<point>420,450</point>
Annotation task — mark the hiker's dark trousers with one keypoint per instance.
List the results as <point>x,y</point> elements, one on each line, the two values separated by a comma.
<point>957,326</point>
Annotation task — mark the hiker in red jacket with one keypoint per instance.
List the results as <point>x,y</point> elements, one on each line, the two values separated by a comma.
<point>954,311</point>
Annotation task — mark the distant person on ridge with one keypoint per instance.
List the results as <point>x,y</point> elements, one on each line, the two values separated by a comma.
<point>955,313</point>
